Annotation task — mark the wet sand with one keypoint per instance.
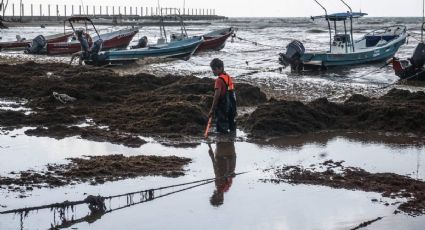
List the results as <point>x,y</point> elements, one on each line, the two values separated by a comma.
<point>398,111</point>
<point>142,104</point>
<point>95,170</point>
<point>140,111</point>
<point>335,175</point>
<point>126,106</point>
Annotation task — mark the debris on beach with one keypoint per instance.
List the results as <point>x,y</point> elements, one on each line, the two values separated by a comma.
<point>397,111</point>
<point>335,175</point>
<point>139,104</point>
<point>95,170</point>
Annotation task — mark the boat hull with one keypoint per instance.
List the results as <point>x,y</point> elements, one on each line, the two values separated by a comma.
<point>180,49</point>
<point>116,42</point>
<point>23,44</point>
<point>326,60</point>
<point>215,42</point>
<point>406,71</point>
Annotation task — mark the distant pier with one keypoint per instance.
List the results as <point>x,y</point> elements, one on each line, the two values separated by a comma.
<point>115,14</point>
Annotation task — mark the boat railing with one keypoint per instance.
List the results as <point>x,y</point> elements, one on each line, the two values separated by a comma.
<point>381,32</point>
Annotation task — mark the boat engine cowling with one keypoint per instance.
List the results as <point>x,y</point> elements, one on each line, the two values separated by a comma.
<point>418,58</point>
<point>292,57</point>
<point>37,44</point>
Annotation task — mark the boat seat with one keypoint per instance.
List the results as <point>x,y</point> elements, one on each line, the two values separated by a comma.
<point>372,40</point>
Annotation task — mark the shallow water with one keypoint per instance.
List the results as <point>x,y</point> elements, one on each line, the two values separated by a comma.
<point>248,203</point>
<point>262,67</point>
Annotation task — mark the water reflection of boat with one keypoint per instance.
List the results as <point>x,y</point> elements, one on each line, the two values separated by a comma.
<point>375,46</point>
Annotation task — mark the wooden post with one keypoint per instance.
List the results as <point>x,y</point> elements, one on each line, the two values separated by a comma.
<point>79,10</point>
<point>119,10</point>
<point>94,10</point>
<point>100,10</point>
<point>141,11</point>
<point>48,10</point>
<point>32,11</point>
<point>151,11</point>
<point>87,10</point>
<point>131,10</point>
<point>113,10</point>
<point>146,13</point>
<point>64,10</point>
<point>41,11</point>
<point>57,12</point>
<point>136,10</point>
<point>72,10</point>
<point>125,10</point>
<point>13,10</point>
<point>107,10</point>
<point>22,10</point>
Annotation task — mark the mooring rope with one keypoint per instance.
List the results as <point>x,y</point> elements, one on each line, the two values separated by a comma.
<point>259,44</point>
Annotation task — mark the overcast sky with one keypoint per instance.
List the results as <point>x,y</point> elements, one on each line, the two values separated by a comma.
<point>267,8</point>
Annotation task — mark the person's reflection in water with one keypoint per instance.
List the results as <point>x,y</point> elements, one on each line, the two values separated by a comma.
<point>224,163</point>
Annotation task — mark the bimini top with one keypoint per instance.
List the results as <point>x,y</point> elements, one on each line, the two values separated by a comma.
<point>340,16</point>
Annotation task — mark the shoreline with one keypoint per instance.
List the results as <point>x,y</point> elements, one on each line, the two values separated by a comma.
<point>119,108</point>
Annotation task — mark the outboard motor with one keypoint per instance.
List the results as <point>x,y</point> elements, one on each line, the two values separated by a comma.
<point>37,44</point>
<point>418,58</point>
<point>292,57</point>
<point>142,43</point>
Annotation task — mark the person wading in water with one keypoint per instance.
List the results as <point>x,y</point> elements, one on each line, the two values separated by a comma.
<point>223,108</point>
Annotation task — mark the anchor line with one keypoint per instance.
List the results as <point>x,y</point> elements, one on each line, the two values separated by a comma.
<point>403,80</point>
<point>257,43</point>
<point>370,72</point>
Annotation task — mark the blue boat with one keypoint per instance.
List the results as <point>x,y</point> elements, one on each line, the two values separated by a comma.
<point>376,46</point>
<point>182,49</point>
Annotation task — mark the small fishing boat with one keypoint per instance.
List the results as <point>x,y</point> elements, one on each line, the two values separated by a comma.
<point>376,46</point>
<point>215,40</point>
<point>22,44</point>
<point>180,46</point>
<point>181,49</point>
<point>115,40</point>
<point>410,69</point>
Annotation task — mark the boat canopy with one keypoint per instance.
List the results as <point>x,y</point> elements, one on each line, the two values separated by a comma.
<point>340,16</point>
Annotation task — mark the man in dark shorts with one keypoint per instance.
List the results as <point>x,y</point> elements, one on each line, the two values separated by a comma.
<point>85,49</point>
<point>223,108</point>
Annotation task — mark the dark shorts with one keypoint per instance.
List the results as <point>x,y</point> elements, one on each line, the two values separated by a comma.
<point>223,123</point>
